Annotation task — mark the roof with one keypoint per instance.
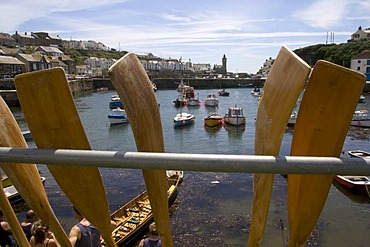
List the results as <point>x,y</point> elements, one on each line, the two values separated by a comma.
<point>363,55</point>
<point>49,49</point>
<point>26,36</point>
<point>9,60</point>
<point>28,57</point>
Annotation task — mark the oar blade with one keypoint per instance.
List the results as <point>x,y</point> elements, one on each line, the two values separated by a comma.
<point>135,90</point>
<point>324,117</point>
<point>282,88</point>
<point>53,120</point>
<point>25,177</point>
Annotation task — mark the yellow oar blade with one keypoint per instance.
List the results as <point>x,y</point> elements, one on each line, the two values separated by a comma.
<point>324,116</point>
<point>280,93</point>
<point>52,117</point>
<point>26,178</point>
<point>135,90</point>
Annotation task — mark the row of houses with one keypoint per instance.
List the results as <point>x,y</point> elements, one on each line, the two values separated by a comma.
<point>45,39</point>
<point>13,61</point>
<point>42,58</point>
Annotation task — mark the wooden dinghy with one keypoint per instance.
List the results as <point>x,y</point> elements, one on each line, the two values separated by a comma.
<point>134,217</point>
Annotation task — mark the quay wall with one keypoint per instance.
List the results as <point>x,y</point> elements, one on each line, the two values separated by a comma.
<point>9,94</point>
<point>197,83</point>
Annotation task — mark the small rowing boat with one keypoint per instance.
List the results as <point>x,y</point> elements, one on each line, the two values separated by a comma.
<point>359,185</point>
<point>133,218</point>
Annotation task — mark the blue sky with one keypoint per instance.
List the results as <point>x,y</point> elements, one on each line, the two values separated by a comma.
<point>247,32</point>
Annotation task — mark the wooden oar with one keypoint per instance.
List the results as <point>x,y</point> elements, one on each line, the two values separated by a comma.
<point>323,119</point>
<point>25,177</point>
<point>280,93</point>
<point>52,117</point>
<point>12,219</point>
<point>135,90</point>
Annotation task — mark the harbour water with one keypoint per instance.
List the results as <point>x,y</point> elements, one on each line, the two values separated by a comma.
<point>212,209</point>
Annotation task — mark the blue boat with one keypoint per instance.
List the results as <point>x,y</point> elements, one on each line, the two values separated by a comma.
<point>183,118</point>
<point>118,116</point>
<point>115,102</point>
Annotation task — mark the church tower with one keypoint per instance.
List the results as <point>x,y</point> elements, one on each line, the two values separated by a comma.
<point>224,63</point>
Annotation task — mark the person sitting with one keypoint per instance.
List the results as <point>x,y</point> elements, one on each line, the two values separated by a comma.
<point>42,237</point>
<point>153,240</point>
<point>83,234</point>
<point>5,231</point>
<point>28,223</point>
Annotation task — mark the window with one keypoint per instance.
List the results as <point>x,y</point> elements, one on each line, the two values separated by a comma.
<point>358,68</point>
<point>367,70</point>
<point>368,62</point>
<point>359,61</point>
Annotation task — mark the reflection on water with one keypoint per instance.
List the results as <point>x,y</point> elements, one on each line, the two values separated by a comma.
<point>207,213</point>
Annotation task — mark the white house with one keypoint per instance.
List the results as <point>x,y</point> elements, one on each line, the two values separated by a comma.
<point>361,63</point>
<point>360,34</point>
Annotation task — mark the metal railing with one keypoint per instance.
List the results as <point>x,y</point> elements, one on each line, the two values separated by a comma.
<point>189,162</point>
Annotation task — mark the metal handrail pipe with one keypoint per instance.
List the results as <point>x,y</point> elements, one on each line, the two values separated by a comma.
<point>189,162</point>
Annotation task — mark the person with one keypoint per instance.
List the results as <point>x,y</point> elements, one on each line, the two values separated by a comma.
<point>28,223</point>
<point>5,231</point>
<point>42,237</point>
<point>153,240</point>
<point>83,234</point>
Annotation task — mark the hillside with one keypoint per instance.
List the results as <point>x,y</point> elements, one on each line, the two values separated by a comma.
<point>340,54</point>
<point>80,55</point>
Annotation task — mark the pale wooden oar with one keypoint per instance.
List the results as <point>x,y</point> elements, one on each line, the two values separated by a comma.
<point>53,120</point>
<point>323,119</point>
<point>280,93</point>
<point>25,177</point>
<point>12,219</point>
<point>135,90</point>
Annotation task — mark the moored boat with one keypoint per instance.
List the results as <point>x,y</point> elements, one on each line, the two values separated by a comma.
<point>133,218</point>
<point>13,195</point>
<point>362,99</point>
<point>361,119</point>
<point>180,101</point>
<point>27,134</point>
<point>194,101</point>
<point>115,102</point>
<point>183,118</point>
<point>117,116</point>
<point>359,185</point>
<point>235,116</point>
<point>223,92</point>
<point>256,92</point>
<point>292,119</point>
<point>211,100</point>
<point>213,119</point>
<point>359,154</point>
<point>171,173</point>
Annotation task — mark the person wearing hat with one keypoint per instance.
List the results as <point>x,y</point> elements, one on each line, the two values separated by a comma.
<point>153,240</point>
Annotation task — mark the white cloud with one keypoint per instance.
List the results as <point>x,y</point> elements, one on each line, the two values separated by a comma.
<point>323,13</point>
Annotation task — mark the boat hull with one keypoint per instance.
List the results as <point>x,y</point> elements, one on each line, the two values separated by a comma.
<point>363,123</point>
<point>184,122</point>
<point>236,121</point>
<point>211,102</point>
<point>193,102</point>
<point>358,185</point>
<point>182,119</point>
<point>212,121</point>
<point>133,218</point>
<point>114,120</point>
